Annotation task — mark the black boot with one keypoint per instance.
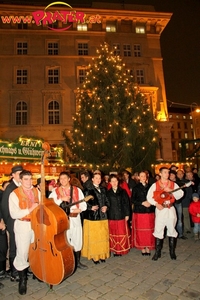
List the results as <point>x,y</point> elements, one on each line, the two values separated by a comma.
<point>159,243</point>
<point>172,246</point>
<point>14,276</point>
<point>22,282</point>
<point>79,264</point>
<point>2,269</point>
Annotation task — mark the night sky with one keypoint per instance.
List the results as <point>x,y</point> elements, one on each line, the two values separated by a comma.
<point>180,45</point>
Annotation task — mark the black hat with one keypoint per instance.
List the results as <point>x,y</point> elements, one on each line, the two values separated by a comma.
<point>16,168</point>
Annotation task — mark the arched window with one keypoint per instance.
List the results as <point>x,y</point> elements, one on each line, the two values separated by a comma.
<point>21,113</point>
<point>54,112</point>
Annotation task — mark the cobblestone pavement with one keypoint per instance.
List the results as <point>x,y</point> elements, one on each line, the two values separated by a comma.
<point>132,276</point>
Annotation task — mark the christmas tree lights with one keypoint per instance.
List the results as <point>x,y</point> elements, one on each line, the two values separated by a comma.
<point>113,125</point>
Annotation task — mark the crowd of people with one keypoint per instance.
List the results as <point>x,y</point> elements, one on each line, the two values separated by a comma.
<point>122,211</point>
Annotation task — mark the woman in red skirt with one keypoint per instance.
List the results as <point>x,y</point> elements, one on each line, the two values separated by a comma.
<point>118,215</point>
<point>143,217</point>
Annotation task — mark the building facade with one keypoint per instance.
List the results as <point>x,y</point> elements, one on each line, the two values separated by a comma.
<point>44,54</point>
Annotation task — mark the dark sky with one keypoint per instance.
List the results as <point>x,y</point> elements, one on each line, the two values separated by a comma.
<point>180,44</point>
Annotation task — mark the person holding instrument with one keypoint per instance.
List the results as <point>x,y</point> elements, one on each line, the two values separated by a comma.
<point>165,214</point>
<point>68,193</point>
<point>22,201</point>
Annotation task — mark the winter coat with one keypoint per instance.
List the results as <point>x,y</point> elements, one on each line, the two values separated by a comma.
<point>119,204</point>
<point>139,195</point>
<point>100,199</point>
<point>194,209</point>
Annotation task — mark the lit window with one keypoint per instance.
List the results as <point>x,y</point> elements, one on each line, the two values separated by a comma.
<point>82,27</point>
<point>140,76</point>
<point>191,126</point>
<point>179,144</point>
<point>54,112</point>
<point>110,28</point>
<point>53,76</point>
<point>116,49</point>
<point>190,117</point>
<point>22,48</point>
<point>187,146</point>
<point>82,48</point>
<point>21,76</point>
<point>177,116</point>
<point>140,29</point>
<point>52,48</point>
<point>81,75</point>
<point>137,50</point>
<point>186,135</point>
<point>170,116</point>
<point>127,50</point>
<point>184,117</point>
<point>21,113</point>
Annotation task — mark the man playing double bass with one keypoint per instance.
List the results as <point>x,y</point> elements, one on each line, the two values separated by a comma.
<point>68,193</point>
<point>22,201</point>
<point>162,196</point>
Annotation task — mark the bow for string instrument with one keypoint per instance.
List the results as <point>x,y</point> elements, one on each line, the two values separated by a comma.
<point>162,196</point>
<point>51,257</point>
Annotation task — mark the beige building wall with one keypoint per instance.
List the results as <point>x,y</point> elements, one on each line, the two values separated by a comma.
<point>37,93</point>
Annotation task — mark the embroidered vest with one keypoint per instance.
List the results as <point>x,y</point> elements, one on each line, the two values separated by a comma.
<point>24,201</point>
<point>170,185</point>
<point>60,193</point>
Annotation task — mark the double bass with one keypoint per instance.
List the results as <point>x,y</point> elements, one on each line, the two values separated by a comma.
<point>51,257</point>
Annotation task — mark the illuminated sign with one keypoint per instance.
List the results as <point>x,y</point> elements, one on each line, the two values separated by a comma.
<point>48,18</point>
<point>27,148</point>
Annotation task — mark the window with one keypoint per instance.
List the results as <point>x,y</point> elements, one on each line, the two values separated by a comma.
<point>137,50</point>
<point>22,48</point>
<point>170,116</point>
<point>173,145</point>
<point>178,125</point>
<point>185,125</point>
<point>21,76</point>
<point>81,75</point>
<point>53,76</point>
<point>172,135</point>
<point>82,48</point>
<point>129,72</point>
<point>127,50</point>
<point>116,49</point>
<point>52,48</point>
<point>184,117</point>
<point>54,112</point>
<point>82,27</point>
<point>140,29</point>
<point>140,76</point>
<point>22,25</point>
<point>111,28</point>
<point>177,116</point>
<point>186,135</point>
<point>179,135</point>
<point>21,113</point>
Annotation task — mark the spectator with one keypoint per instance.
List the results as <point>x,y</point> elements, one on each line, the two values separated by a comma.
<point>194,210</point>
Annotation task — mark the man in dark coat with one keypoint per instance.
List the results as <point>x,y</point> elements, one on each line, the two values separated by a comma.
<point>14,183</point>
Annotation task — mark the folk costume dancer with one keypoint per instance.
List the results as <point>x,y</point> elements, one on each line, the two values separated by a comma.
<point>14,183</point>
<point>95,228</point>
<point>165,214</point>
<point>68,193</point>
<point>22,201</point>
<point>118,215</point>
<point>143,217</point>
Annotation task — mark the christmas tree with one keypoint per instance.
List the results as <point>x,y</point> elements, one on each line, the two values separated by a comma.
<point>113,127</point>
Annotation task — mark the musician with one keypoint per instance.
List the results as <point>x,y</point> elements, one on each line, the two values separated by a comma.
<point>14,183</point>
<point>22,201</point>
<point>165,214</point>
<point>68,193</point>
